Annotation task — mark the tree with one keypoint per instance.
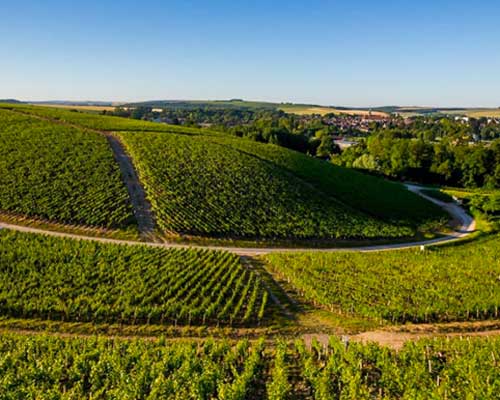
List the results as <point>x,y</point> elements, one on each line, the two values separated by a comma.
<point>327,147</point>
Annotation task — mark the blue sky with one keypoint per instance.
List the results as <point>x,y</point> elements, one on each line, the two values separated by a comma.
<point>353,53</point>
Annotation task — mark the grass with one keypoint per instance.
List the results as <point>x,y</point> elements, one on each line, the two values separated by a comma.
<point>477,112</point>
<point>80,107</point>
<point>307,199</point>
<point>374,196</point>
<point>98,122</point>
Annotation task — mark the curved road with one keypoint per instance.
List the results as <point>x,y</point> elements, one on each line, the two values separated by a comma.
<point>464,223</point>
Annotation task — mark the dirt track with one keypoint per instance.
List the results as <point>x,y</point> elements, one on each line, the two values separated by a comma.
<point>140,205</point>
<point>466,226</point>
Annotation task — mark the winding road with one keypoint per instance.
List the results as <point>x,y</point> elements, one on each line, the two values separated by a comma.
<point>464,226</point>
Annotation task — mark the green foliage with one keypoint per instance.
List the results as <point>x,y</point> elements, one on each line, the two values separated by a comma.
<point>375,196</point>
<point>63,279</point>
<point>45,367</point>
<point>442,284</point>
<point>59,173</point>
<point>418,153</point>
<point>201,186</point>
<point>279,388</point>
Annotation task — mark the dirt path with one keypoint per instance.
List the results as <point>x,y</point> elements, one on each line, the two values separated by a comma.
<point>396,340</point>
<point>464,222</point>
<point>141,206</point>
<point>467,226</point>
<point>142,210</point>
<point>395,337</point>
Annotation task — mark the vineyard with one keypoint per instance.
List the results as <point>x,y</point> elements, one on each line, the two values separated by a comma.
<point>60,174</point>
<point>95,121</point>
<point>67,280</point>
<point>443,284</point>
<point>46,367</point>
<point>203,188</point>
<point>200,183</point>
<point>378,197</point>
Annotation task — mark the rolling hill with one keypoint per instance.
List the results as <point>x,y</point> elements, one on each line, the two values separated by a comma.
<point>207,184</point>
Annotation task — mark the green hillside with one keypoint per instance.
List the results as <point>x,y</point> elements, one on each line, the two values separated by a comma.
<point>203,183</point>
<point>97,122</point>
<point>378,197</point>
<point>200,187</point>
<point>60,174</point>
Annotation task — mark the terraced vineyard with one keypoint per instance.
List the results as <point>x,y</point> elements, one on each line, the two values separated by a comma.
<point>203,188</point>
<point>49,367</point>
<point>68,280</point>
<point>449,284</point>
<point>60,174</point>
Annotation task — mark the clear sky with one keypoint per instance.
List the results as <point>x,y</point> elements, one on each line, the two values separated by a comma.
<point>358,53</point>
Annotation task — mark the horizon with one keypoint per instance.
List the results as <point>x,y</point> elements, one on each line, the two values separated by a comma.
<point>121,102</point>
<point>360,55</point>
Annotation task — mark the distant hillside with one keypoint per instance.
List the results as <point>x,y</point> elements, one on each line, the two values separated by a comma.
<point>73,103</point>
<point>291,108</point>
<point>10,101</point>
<point>446,111</point>
<point>213,104</point>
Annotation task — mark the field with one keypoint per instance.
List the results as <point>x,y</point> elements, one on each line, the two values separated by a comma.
<point>60,174</point>
<point>386,200</point>
<point>468,112</point>
<point>58,294</point>
<point>476,112</point>
<point>68,280</point>
<point>207,184</point>
<point>97,122</point>
<point>199,187</point>
<point>80,107</point>
<point>457,283</point>
<point>306,110</point>
<point>50,367</point>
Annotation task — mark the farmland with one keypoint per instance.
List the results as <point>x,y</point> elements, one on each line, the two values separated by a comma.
<point>95,108</point>
<point>199,187</point>
<point>44,366</point>
<point>62,279</point>
<point>443,284</point>
<point>58,165</point>
<point>383,199</point>
<point>96,122</point>
<point>60,174</point>
<point>307,110</point>
<point>303,198</point>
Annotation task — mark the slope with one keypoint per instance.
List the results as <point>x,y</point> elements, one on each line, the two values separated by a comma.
<point>199,187</point>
